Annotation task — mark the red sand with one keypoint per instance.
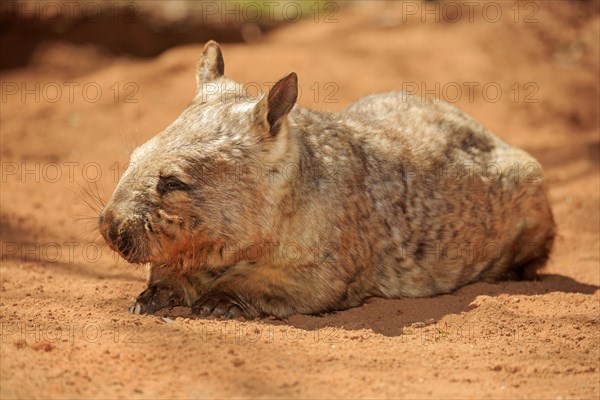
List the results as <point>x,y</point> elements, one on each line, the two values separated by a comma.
<point>65,329</point>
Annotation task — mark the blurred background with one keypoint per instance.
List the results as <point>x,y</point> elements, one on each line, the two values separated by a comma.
<point>83,82</point>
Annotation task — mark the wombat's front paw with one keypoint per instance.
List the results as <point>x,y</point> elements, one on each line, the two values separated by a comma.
<point>219,305</point>
<point>153,299</point>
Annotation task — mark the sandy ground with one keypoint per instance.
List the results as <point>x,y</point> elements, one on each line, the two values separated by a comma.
<point>70,119</point>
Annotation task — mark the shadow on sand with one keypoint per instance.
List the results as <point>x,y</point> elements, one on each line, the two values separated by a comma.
<point>390,317</point>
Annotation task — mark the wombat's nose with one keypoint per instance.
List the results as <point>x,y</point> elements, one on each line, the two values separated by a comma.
<point>104,219</point>
<point>116,238</point>
<point>108,227</point>
<point>113,233</point>
<point>124,243</point>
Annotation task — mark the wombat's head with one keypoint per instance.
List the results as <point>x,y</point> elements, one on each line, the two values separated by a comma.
<point>208,182</point>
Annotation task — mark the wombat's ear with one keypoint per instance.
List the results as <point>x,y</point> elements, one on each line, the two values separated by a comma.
<point>210,66</point>
<point>279,102</point>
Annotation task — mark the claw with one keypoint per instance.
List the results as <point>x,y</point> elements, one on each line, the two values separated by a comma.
<point>135,308</point>
<point>233,313</point>
<point>153,299</point>
<point>217,306</point>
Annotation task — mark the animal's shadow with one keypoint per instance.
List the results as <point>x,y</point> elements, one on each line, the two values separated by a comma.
<point>389,317</point>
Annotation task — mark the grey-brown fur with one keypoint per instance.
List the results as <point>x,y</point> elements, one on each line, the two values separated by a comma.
<point>250,206</point>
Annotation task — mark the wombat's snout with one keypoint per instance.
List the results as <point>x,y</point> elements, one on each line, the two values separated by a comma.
<point>115,236</point>
<point>108,228</point>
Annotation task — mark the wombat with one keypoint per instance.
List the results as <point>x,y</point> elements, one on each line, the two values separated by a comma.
<point>251,206</point>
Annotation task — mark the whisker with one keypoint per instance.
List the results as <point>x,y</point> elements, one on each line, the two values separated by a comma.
<point>95,198</point>
<point>103,192</point>
<point>91,206</point>
<point>84,218</point>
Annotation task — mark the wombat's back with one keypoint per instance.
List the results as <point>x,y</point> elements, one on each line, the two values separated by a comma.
<point>451,202</point>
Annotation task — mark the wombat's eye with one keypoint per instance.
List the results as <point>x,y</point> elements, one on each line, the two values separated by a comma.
<point>170,184</point>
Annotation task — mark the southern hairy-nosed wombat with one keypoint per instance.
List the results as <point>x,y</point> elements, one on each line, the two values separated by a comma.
<point>252,206</point>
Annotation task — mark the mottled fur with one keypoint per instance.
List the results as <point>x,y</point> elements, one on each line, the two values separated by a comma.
<point>250,206</point>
